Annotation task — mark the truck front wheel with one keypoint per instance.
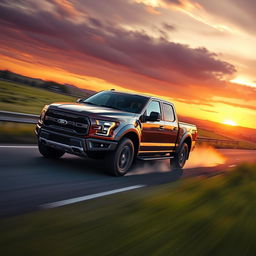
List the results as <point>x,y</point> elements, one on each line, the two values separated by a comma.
<point>49,152</point>
<point>180,157</point>
<point>120,160</point>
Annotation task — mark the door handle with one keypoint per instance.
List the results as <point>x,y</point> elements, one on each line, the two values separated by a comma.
<point>161,127</point>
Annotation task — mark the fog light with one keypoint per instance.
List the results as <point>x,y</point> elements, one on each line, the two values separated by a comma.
<point>99,145</point>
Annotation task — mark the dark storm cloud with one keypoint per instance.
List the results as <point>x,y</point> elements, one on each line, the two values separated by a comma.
<point>137,51</point>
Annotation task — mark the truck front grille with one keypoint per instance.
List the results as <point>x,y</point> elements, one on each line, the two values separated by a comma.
<point>66,122</point>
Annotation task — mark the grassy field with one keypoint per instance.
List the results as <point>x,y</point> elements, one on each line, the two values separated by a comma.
<point>214,216</point>
<point>26,99</point>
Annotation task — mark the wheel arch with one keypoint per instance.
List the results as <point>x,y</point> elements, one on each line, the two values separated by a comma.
<point>133,133</point>
<point>188,140</point>
<point>133,136</point>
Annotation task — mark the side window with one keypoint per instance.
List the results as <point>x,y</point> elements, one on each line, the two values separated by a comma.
<point>168,113</point>
<point>154,106</point>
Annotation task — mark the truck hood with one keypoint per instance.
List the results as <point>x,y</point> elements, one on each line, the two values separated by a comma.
<point>92,111</point>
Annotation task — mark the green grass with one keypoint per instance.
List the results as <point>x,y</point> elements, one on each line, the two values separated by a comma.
<point>214,216</point>
<point>27,99</point>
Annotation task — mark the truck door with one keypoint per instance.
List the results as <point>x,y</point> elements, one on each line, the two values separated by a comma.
<point>153,133</point>
<point>171,124</point>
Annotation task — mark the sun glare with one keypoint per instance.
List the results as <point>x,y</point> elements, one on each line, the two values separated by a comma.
<point>229,122</point>
<point>243,82</point>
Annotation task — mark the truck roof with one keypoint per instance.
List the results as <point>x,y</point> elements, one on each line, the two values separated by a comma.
<point>141,94</point>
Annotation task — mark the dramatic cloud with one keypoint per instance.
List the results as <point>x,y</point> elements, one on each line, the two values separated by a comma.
<point>126,44</point>
<point>156,58</point>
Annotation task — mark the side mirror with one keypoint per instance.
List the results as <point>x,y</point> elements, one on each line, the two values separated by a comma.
<point>154,117</point>
<point>79,100</point>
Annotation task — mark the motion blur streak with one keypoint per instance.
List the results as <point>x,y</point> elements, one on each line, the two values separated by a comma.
<point>202,156</point>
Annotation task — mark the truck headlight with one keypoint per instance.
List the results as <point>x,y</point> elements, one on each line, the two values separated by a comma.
<point>104,128</point>
<point>42,115</point>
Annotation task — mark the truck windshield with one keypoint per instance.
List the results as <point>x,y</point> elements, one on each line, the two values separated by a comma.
<point>121,101</point>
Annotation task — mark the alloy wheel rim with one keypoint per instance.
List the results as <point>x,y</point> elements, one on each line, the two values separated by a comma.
<point>182,156</point>
<point>124,158</point>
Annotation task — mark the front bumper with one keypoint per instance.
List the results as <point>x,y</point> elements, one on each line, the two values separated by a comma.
<point>72,144</point>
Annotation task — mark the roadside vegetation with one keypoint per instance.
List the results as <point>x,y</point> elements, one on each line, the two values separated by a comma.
<point>17,133</point>
<point>224,141</point>
<point>197,216</point>
<point>27,99</point>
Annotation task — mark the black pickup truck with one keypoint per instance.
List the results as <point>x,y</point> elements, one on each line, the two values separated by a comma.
<point>118,127</point>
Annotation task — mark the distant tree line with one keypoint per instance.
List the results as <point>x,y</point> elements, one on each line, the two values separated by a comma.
<point>39,83</point>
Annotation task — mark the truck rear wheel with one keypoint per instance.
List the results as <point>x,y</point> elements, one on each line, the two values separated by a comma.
<point>49,152</point>
<point>180,157</point>
<point>120,160</point>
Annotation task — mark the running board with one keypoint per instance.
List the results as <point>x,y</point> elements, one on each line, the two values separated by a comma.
<point>145,158</point>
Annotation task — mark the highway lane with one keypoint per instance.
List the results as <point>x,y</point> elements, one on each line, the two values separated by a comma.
<point>29,181</point>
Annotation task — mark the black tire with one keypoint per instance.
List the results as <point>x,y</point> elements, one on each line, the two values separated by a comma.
<point>49,152</point>
<point>120,160</point>
<point>180,157</point>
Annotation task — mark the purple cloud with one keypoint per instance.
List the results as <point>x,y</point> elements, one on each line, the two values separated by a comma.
<point>135,50</point>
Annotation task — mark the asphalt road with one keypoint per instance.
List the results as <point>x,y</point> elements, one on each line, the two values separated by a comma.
<point>29,181</point>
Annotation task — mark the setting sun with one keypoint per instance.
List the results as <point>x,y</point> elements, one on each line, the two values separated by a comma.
<point>229,122</point>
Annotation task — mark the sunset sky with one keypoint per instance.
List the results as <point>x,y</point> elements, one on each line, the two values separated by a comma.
<point>199,54</point>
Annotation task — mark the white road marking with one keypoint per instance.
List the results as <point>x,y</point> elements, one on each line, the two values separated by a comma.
<point>88,197</point>
<point>232,165</point>
<point>17,146</point>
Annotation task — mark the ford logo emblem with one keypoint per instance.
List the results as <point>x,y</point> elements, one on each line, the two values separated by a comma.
<point>62,121</point>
